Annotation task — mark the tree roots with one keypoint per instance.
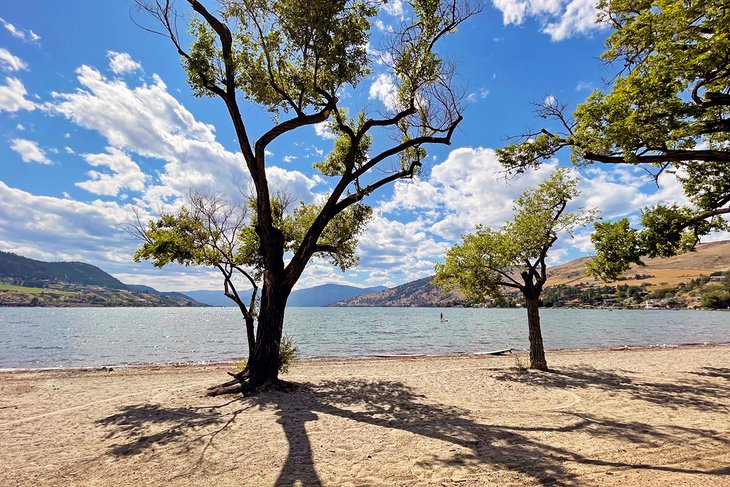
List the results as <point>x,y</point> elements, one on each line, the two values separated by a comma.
<point>241,384</point>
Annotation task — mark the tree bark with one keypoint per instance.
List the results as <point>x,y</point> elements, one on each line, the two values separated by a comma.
<point>251,338</point>
<point>537,352</point>
<point>263,364</point>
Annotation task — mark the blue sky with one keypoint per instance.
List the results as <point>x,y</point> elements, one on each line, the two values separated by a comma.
<point>96,118</point>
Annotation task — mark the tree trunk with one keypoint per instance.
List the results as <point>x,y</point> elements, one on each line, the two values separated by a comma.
<point>263,364</point>
<point>537,352</point>
<point>250,337</point>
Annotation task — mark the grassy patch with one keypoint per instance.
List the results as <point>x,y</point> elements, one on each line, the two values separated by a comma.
<point>29,290</point>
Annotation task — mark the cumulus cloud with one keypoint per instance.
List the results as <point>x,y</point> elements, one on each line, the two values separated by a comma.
<point>138,121</point>
<point>384,89</point>
<point>56,229</point>
<point>560,19</point>
<point>121,62</point>
<point>468,188</point>
<point>124,173</point>
<point>29,151</point>
<point>12,96</point>
<point>10,62</point>
<point>146,120</point>
<point>62,228</point>
<point>322,129</point>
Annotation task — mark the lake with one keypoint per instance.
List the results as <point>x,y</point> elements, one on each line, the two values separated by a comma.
<point>92,337</point>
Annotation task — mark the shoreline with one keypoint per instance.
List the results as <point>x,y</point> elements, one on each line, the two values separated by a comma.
<point>364,358</point>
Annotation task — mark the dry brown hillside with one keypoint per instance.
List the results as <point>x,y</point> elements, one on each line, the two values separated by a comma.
<point>664,272</point>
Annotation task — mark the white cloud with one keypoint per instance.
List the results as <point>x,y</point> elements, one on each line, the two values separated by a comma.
<point>560,19</point>
<point>12,96</point>
<point>579,18</point>
<point>322,129</point>
<point>382,26</point>
<point>146,120</point>
<point>289,158</point>
<point>468,188</point>
<point>384,89</point>
<point>393,7</point>
<point>10,62</point>
<point>29,151</point>
<point>475,96</point>
<point>620,191</point>
<point>22,34</point>
<point>121,62</point>
<point>125,173</point>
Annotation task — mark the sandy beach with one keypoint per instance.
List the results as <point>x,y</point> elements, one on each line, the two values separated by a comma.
<point>650,417</point>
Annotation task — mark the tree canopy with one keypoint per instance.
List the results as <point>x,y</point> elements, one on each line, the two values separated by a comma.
<point>667,109</point>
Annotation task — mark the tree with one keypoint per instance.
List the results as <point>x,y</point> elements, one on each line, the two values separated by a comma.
<point>667,110</point>
<point>514,256</point>
<point>294,58</point>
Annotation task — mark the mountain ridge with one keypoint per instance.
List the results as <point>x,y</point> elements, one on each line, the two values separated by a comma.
<point>661,272</point>
<point>29,282</point>
<point>315,296</point>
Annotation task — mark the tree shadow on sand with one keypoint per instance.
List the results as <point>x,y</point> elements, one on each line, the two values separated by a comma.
<point>700,394</point>
<point>128,427</point>
<point>393,405</point>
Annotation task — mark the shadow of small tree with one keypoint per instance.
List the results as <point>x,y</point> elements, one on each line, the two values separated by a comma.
<point>700,394</point>
<point>131,423</point>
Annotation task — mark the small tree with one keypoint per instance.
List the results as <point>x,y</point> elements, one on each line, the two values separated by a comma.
<point>514,256</point>
<point>213,233</point>
<point>295,58</point>
<point>666,109</point>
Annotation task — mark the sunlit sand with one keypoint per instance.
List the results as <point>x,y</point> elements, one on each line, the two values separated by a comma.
<point>641,417</point>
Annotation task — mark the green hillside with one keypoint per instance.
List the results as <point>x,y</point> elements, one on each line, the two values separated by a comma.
<point>21,270</point>
<point>29,282</point>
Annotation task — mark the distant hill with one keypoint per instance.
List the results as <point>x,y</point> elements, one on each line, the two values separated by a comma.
<point>29,282</point>
<point>420,293</point>
<point>328,294</point>
<point>16,268</point>
<point>661,272</point>
<point>664,272</point>
<point>324,295</point>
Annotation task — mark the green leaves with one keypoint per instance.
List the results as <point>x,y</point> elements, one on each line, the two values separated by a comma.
<point>617,247</point>
<point>179,238</point>
<point>287,51</point>
<point>666,231</point>
<point>339,239</point>
<point>515,254</point>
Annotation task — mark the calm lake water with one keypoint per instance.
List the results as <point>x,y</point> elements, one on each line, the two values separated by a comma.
<point>80,337</point>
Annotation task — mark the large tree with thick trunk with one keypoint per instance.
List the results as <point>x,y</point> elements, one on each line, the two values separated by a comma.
<point>667,109</point>
<point>488,261</point>
<point>296,58</point>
